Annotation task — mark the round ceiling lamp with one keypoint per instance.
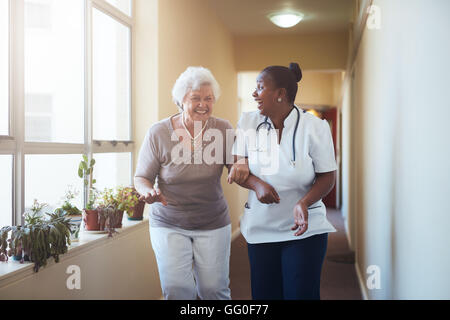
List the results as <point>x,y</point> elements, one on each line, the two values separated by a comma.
<point>286,19</point>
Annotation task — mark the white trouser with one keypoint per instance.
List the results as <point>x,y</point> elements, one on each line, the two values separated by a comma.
<point>192,262</point>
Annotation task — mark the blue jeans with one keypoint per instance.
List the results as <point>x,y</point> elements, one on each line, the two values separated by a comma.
<point>287,270</point>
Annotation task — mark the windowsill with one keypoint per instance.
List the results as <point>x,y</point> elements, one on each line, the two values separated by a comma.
<point>12,270</point>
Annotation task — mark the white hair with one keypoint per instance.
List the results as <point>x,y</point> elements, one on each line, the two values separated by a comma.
<point>192,79</point>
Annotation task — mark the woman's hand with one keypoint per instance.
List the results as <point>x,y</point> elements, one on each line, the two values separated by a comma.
<point>154,195</point>
<point>266,193</point>
<point>239,172</point>
<point>300,218</point>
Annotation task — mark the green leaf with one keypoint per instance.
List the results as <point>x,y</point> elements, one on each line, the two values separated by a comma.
<point>85,158</point>
<point>80,172</point>
<point>92,162</point>
<point>94,181</point>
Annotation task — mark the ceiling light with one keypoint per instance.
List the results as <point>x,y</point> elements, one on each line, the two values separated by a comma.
<point>286,19</point>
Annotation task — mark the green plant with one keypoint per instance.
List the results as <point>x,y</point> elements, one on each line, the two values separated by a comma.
<point>108,198</point>
<point>67,206</point>
<point>85,171</point>
<point>120,198</point>
<point>112,203</point>
<point>35,216</point>
<point>48,238</point>
<point>20,241</point>
<point>4,243</point>
<point>110,216</point>
<point>108,210</point>
<point>128,198</point>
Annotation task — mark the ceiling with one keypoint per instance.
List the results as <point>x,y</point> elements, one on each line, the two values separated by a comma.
<point>249,17</point>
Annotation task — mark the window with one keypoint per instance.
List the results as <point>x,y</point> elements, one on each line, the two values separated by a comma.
<point>48,176</point>
<point>122,5</point>
<point>54,71</point>
<point>38,14</point>
<point>112,169</point>
<point>111,90</point>
<point>38,117</point>
<point>4,67</point>
<point>6,187</point>
<point>75,61</point>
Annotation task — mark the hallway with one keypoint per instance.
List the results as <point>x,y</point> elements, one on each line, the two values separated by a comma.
<point>339,279</point>
<point>90,78</point>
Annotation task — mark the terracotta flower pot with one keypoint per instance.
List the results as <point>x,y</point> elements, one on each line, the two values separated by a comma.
<point>137,212</point>
<point>92,221</point>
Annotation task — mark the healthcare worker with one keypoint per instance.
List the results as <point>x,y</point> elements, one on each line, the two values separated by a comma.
<point>291,159</point>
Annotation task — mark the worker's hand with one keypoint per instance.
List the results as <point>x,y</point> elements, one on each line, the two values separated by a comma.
<point>239,172</point>
<point>266,193</point>
<point>154,195</point>
<point>300,218</point>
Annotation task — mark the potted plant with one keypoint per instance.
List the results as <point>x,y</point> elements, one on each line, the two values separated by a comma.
<point>20,237</point>
<point>47,238</point>
<point>39,238</point>
<point>19,243</point>
<point>72,212</point>
<point>91,218</point>
<point>112,206</point>
<point>135,207</point>
<point>4,243</point>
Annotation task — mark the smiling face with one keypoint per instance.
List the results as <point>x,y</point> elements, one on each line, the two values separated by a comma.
<point>266,95</point>
<point>198,104</point>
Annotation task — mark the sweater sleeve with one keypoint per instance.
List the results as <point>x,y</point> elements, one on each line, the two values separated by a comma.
<point>148,164</point>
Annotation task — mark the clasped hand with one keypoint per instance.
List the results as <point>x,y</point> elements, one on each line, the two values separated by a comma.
<point>239,172</point>
<point>154,195</point>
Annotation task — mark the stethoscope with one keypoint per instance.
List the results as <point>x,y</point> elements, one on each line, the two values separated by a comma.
<point>267,124</point>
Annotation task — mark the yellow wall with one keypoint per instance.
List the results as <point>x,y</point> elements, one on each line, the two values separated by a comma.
<point>319,88</point>
<point>325,51</point>
<point>188,33</point>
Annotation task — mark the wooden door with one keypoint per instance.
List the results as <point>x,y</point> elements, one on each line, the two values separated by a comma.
<point>331,116</point>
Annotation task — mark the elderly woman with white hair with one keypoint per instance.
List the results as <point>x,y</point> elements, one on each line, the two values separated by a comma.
<point>190,226</point>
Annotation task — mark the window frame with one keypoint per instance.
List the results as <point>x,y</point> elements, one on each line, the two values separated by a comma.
<point>14,143</point>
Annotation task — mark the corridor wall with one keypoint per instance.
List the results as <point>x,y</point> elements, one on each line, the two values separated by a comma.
<point>396,165</point>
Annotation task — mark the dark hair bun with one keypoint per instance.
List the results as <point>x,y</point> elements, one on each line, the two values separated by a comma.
<point>294,67</point>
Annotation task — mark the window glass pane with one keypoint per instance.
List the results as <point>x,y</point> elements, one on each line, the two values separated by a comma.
<point>122,5</point>
<point>111,78</point>
<point>48,177</point>
<point>6,185</point>
<point>4,63</point>
<point>112,170</point>
<point>54,71</point>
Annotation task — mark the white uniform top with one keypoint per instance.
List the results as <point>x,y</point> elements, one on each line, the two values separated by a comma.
<point>314,151</point>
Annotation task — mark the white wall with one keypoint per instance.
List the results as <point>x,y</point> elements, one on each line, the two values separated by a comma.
<point>399,153</point>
